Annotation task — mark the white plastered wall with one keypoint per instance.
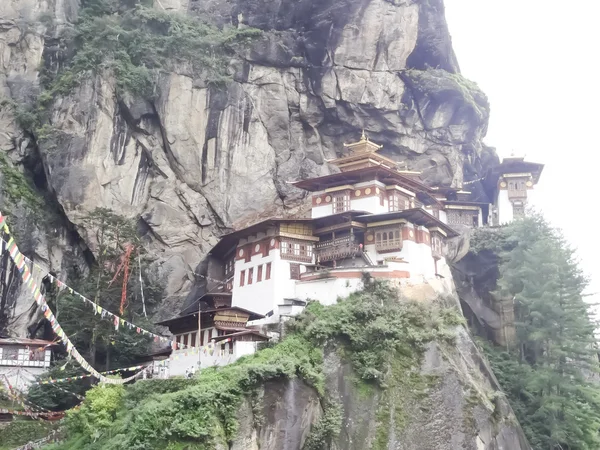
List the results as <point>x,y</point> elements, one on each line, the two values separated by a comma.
<point>327,290</point>
<point>260,296</point>
<point>505,208</point>
<point>322,210</point>
<point>370,204</point>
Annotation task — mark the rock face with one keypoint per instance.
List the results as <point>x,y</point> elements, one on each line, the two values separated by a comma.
<point>462,409</point>
<point>197,161</point>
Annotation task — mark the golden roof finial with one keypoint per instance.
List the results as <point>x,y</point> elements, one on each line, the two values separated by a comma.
<point>364,145</point>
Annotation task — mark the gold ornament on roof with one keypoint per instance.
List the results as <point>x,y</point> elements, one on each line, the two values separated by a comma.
<point>363,146</point>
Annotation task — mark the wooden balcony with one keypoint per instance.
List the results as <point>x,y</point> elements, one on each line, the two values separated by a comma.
<point>335,249</point>
<point>390,245</point>
<point>517,193</point>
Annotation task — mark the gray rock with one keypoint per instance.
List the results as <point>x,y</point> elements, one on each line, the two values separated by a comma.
<point>197,161</point>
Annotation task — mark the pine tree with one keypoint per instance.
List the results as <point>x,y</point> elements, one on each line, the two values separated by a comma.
<point>546,375</point>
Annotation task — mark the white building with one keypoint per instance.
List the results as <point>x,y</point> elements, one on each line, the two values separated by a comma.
<point>372,217</point>
<point>513,184</point>
<point>22,360</point>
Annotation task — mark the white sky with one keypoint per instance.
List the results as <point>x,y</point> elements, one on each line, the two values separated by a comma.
<point>538,62</point>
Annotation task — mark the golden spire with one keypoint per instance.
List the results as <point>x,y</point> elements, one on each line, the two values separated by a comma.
<point>363,146</point>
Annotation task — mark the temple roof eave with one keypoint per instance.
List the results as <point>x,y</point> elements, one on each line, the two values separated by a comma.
<point>416,216</point>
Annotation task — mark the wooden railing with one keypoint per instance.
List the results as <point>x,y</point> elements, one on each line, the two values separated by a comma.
<point>335,249</point>
<point>389,245</point>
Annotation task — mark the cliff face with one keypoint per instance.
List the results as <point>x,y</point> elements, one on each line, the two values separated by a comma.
<point>197,160</point>
<point>462,408</point>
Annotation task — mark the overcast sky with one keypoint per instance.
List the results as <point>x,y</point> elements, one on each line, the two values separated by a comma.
<point>537,60</point>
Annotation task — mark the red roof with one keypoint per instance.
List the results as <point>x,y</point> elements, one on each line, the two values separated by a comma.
<point>25,341</point>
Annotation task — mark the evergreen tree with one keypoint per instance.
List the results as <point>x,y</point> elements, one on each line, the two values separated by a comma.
<point>546,375</point>
<point>95,337</point>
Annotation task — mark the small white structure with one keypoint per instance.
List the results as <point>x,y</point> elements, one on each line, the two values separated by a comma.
<point>224,337</point>
<point>22,360</point>
<point>514,180</point>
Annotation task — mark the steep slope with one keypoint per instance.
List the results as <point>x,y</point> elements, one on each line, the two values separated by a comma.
<point>374,371</point>
<point>194,160</point>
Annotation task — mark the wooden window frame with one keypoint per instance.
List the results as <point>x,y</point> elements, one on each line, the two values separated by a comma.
<point>294,271</point>
<point>242,278</point>
<point>259,272</point>
<point>250,275</point>
<point>268,271</point>
<point>296,250</point>
<point>384,244</point>
<point>341,201</point>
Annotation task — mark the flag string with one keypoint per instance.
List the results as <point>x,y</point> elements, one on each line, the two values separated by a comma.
<point>80,377</point>
<point>19,260</point>
<point>98,310</point>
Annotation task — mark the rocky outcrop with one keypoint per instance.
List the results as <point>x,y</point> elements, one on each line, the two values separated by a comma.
<point>461,407</point>
<point>198,161</point>
<point>475,275</point>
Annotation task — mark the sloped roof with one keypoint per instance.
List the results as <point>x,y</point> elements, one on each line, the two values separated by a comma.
<point>26,341</point>
<point>416,215</point>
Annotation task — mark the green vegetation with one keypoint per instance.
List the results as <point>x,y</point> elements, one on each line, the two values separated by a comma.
<point>21,431</point>
<point>546,376</point>
<point>25,207</point>
<point>438,83</point>
<point>17,189</point>
<point>96,338</point>
<point>382,338</point>
<point>326,429</point>
<point>135,43</point>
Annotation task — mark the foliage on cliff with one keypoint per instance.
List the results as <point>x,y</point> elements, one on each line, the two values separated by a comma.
<point>372,328</point>
<point>547,374</point>
<point>135,43</point>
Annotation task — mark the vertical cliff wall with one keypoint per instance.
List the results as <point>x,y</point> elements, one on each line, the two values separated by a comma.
<point>196,160</point>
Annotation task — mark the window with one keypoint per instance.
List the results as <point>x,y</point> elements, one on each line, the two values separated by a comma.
<point>456,217</point>
<point>388,239</point>
<point>297,250</point>
<point>37,354</point>
<point>295,271</point>
<point>229,268</point>
<point>242,277</point>
<point>250,274</point>
<point>518,210</point>
<point>259,274</point>
<point>193,339</point>
<point>268,272</point>
<point>10,353</point>
<point>397,202</point>
<point>296,228</point>
<point>517,188</point>
<point>436,244</point>
<point>341,202</point>
<point>185,340</point>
